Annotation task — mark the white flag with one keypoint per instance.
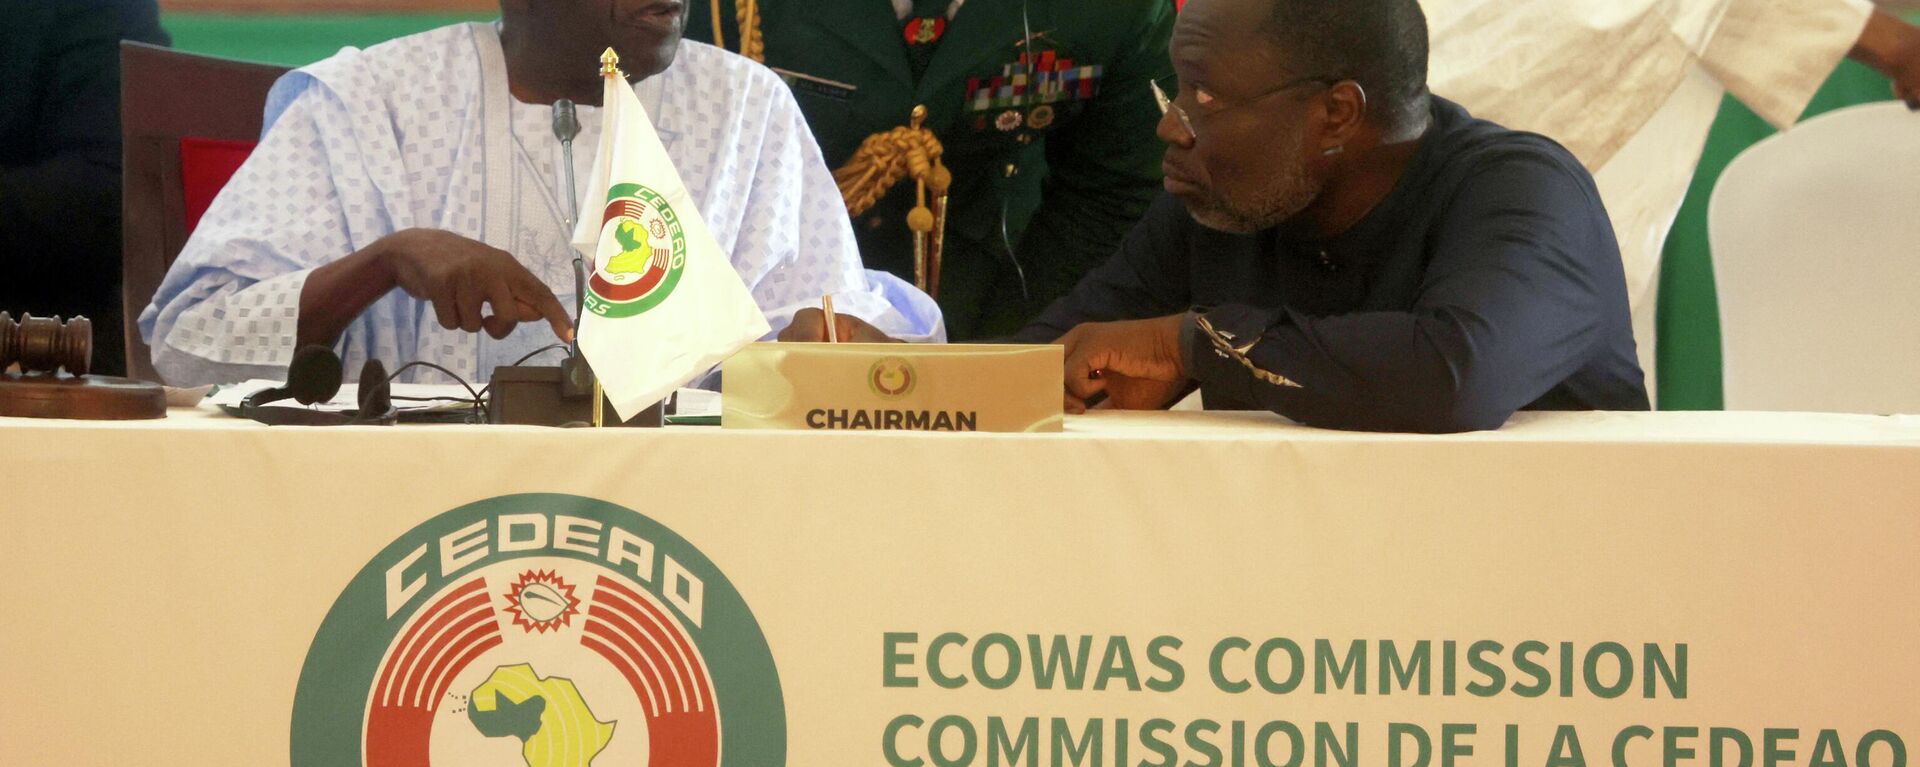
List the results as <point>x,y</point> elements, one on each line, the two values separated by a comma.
<point>663,303</point>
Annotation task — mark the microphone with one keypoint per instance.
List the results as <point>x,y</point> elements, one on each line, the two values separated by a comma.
<point>566,125</point>
<point>576,379</point>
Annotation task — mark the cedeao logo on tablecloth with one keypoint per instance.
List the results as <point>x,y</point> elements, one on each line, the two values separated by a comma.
<point>540,630</point>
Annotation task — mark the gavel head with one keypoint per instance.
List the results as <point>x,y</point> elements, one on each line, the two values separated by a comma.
<point>45,344</point>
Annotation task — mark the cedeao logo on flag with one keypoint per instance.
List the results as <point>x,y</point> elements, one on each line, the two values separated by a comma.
<point>664,304</point>
<point>643,251</point>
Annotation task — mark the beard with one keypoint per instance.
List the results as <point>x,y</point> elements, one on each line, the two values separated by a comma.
<point>1272,200</point>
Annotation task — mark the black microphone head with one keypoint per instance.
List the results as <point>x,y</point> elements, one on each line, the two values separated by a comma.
<point>566,122</point>
<point>314,374</point>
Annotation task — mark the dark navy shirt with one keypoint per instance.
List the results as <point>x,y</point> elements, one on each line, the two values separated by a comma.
<point>1487,282</point>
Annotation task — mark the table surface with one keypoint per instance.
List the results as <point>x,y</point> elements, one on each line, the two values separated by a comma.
<point>1708,427</point>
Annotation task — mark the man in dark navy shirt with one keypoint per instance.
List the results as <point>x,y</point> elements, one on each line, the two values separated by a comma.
<point>1346,250</point>
<point>1343,248</point>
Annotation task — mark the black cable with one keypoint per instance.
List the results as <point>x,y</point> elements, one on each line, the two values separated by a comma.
<point>479,406</point>
<point>536,353</point>
<point>478,398</point>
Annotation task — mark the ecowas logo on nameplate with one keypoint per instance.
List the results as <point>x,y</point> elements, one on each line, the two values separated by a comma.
<point>539,630</point>
<point>892,377</point>
<point>643,252</point>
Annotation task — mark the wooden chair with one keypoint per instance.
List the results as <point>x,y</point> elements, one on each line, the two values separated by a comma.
<point>170,101</point>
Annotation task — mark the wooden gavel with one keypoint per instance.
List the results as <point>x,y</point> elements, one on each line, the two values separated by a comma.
<point>46,344</point>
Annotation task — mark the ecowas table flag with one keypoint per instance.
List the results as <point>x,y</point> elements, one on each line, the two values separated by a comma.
<point>662,303</point>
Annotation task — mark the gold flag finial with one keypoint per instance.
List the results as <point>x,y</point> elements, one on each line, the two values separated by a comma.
<point>610,64</point>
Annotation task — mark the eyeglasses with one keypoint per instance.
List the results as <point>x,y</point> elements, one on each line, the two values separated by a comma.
<point>1208,104</point>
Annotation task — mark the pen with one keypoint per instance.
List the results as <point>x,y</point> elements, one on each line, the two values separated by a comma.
<point>833,332</point>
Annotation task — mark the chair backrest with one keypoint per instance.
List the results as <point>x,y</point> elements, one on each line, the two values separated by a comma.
<point>1816,256</point>
<point>172,102</point>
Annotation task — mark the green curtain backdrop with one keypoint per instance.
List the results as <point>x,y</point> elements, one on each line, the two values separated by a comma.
<point>1689,323</point>
<point>293,40</point>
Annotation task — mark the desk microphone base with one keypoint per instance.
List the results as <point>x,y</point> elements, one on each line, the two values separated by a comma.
<point>535,396</point>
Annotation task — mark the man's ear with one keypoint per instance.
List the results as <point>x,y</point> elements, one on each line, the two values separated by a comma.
<point>1345,114</point>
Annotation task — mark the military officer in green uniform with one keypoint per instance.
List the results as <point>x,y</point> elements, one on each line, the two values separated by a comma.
<point>1042,109</point>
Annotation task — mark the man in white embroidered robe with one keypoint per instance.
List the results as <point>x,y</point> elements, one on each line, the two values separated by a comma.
<point>1633,86</point>
<point>406,196</point>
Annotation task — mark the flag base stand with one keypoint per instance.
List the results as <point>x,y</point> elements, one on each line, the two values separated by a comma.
<point>543,396</point>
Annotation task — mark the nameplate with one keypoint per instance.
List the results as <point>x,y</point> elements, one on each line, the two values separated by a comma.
<point>904,387</point>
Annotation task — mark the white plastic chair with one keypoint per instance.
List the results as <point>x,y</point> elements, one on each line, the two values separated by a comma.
<point>1816,259</point>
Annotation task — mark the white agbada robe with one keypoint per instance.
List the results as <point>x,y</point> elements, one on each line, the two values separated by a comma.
<point>421,132</point>
<point>1632,87</point>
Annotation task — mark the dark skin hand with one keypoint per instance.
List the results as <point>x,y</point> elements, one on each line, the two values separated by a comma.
<point>552,48</point>
<point>810,326</point>
<point>1136,363</point>
<point>1892,46</point>
<point>471,285</point>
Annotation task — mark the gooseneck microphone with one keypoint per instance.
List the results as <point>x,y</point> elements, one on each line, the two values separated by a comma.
<point>576,379</point>
<point>566,125</point>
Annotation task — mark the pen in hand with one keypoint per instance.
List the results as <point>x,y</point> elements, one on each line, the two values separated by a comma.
<point>833,330</point>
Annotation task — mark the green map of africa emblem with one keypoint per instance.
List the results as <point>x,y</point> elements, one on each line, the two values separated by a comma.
<point>645,247</point>
<point>635,249</point>
<point>552,721</point>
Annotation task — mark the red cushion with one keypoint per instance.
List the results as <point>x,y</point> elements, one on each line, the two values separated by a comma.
<point>205,166</point>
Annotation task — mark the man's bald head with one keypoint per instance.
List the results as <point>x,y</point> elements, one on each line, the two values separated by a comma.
<point>1279,100</point>
<point>1380,44</point>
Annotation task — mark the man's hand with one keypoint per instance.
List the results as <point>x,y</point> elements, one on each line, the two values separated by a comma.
<point>458,276</point>
<point>1892,46</point>
<point>810,326</point>
<point>1137,363</point>
<point>1905,71</point>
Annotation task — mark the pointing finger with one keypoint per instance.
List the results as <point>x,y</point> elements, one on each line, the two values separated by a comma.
<point>546,304</point>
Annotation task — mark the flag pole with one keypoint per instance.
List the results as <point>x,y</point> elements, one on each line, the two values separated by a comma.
<point>599,395</point>
<point>609,69</point>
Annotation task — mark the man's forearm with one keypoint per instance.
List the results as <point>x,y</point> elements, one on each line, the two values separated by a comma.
<point>1886,41</point>
<point>336,294</point>
<point>1423,371</point>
